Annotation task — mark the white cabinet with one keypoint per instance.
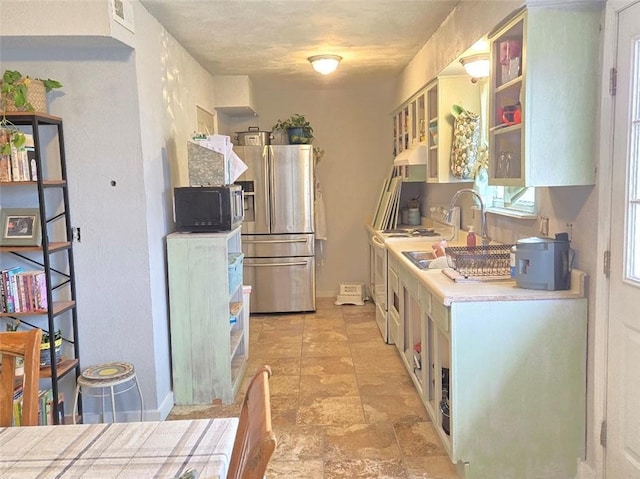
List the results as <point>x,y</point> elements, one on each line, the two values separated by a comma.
<point>233,95</point>
<point>442,94</point>
<point>378,281</point>
<point>543,97</point>
<point>209,325</point>
<point>395,304</point>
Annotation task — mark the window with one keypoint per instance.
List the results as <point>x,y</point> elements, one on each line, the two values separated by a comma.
<point>513,201</point>
<point>632,232</point>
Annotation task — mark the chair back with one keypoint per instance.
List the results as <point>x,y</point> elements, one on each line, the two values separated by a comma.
<point>27,345</point>
<point>255,441</point>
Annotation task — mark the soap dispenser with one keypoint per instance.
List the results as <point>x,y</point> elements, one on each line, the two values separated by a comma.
<point>471,237</point>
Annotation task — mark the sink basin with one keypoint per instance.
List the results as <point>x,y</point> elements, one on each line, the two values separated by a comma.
<point>421,259</point>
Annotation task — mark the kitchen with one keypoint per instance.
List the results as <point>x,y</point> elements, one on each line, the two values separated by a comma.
<point>342,120</point>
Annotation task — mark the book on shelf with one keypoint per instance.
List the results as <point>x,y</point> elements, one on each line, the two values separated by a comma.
<point>17,405</point>
<point>23,291</point>
<point>9,305</point>
<point>46,408</point>
<point>20,164</point>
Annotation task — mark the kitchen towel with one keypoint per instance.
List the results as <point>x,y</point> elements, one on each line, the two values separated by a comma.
<point>320,223</point>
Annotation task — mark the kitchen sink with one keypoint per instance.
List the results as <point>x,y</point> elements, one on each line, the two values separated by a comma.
<point>421,259</point>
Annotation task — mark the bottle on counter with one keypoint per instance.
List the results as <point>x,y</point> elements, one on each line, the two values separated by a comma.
<point>471,237</point>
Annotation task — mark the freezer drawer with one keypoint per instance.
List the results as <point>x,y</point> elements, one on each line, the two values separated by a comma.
<point>267,246</point>
<point>281,285</point>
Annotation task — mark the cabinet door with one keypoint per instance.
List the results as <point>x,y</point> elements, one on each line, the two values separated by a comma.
<point>395,305</point>
<point>507,107</point>
<point>518,378</point>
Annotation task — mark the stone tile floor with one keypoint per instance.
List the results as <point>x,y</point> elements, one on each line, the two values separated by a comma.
<point>343,405</point>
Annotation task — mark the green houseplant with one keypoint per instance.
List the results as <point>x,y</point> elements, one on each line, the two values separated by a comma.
<point>16,94</point>
<point>45,347</point>
<point>298,129</point>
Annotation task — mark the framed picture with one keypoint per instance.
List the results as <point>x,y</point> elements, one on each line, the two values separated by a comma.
<point>20,227</point>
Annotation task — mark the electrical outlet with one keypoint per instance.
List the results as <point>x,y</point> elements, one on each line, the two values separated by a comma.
<point>544,226</point>
<point>75,234</point>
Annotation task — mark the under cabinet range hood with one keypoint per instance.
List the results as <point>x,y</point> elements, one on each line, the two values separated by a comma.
<point>416,155</point>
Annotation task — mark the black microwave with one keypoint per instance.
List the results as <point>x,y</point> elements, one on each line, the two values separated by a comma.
<point>205,209</point>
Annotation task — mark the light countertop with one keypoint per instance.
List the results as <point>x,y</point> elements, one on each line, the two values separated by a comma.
<point>448,291</point>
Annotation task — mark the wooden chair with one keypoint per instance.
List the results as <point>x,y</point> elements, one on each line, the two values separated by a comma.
<point>27,345</point>
<point>255,441</point>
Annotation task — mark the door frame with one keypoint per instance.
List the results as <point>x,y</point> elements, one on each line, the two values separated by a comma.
<point>594,465</point>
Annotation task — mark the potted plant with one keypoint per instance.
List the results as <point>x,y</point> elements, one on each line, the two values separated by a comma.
<point>298,129</point>
<point>45,347</point>
<point>20,93</point>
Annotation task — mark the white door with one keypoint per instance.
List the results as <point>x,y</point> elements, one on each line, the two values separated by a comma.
<point>622,454</point>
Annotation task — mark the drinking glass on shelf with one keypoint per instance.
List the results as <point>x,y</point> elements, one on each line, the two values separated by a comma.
<point>508,158</point>
<point>500,165</point>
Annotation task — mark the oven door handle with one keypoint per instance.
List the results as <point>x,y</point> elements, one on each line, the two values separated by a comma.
<point>377,241</point>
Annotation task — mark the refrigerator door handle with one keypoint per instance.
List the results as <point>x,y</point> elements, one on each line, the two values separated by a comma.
<point>266,154</point>
<point>271,265</point>
<point>269,178</point>
<point>293,240</point>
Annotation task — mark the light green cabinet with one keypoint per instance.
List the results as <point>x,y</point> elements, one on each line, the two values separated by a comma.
<point>511,374</point>
<point>209,325</point>
<point>545,71</point>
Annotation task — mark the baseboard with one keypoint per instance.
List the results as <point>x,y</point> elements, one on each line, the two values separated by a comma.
<point>585,471</point>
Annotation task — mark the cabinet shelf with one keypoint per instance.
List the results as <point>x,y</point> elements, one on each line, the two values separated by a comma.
<point>59,307</point>
<point>64,366</point>
<point>45,183</point>
<point>236,341</point>
<point>52,248</point>
<point>509,84</point>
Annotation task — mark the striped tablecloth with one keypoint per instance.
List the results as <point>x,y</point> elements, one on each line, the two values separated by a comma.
<point>139,450</point>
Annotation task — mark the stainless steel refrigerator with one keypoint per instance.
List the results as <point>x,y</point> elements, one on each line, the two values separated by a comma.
<point>278,238</point>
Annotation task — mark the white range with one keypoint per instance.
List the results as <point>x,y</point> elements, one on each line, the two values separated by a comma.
<point>378,256</point>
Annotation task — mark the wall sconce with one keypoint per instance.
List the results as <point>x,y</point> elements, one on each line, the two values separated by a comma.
<point>325,64</point>
<point>477,66</point>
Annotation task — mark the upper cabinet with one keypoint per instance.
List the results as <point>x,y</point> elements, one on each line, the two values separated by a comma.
<point>543,97</point>
<point>442,94</point>
<point>233,95</point>
<point>423,128</point>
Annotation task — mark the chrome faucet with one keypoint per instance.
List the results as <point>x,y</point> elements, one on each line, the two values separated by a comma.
<point>483,224</point>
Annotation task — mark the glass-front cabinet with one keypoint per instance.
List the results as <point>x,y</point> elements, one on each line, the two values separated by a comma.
<point>543,97</point>
<point>442,94</point>
<point>423,128</point>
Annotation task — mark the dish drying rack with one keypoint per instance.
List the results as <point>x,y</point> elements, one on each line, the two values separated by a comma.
<point>485,263</point>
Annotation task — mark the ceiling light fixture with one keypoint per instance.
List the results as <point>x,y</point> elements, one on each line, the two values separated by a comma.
<point>476,66</point>
<point>325,64</point>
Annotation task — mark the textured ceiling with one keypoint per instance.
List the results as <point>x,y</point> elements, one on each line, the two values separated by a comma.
<point>273,39</point>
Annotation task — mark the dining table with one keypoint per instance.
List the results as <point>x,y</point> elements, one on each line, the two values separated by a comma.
<point>193,448</point>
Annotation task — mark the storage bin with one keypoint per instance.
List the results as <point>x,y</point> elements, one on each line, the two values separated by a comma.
<point>235,271</point>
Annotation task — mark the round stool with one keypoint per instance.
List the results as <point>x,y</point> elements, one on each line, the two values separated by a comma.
<point>107,375</point>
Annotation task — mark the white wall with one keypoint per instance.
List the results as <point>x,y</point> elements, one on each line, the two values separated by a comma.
<point>127,115</point>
